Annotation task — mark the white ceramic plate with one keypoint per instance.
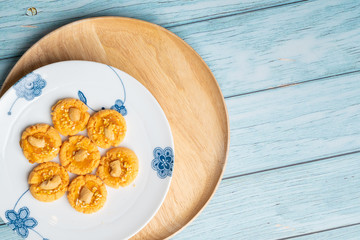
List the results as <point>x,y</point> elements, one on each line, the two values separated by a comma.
<point>126,210</point>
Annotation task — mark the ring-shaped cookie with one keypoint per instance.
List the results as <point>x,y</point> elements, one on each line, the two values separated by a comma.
<point>48,182</point>
<point>107,128</point>
<point>40,143</point>
<point>70,116</point>
<point>87,194</point>
<point>119,167</point>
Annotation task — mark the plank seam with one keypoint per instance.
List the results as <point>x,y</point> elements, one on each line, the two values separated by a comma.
<point>237,13</point>
<point>291,165</point>
<point>6,58</point>
<point>233,13</point>
<point>292,84</point>
<point>320,231</point>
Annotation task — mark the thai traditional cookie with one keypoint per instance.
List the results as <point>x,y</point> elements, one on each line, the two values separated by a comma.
<point>119,167</point>
<point>40,143</point>
<point>79,155</point>
<point>70,116</point>
<point>87,194</point>
<point>48,181</point>
<point>107,128</point>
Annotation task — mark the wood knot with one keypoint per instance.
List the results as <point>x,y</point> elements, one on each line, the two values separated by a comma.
<point>31,11</point>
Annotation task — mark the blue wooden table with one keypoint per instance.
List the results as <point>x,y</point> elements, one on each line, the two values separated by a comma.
<point>290,73</point>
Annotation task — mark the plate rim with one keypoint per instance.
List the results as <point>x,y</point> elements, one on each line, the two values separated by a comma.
<point>168,127</point>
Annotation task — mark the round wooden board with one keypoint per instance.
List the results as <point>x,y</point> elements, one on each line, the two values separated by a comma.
<point>180,81</point>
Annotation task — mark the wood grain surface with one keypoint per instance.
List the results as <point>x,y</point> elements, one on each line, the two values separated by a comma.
<point>278,46</point>
<point>295,124</point>
<point>295,61</point>
<point>182,84</point>
<point>286,202</point>
<point>350,232</point>
<point>165,13</point>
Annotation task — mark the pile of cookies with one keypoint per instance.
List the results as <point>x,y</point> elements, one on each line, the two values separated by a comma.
<point>79,154</point>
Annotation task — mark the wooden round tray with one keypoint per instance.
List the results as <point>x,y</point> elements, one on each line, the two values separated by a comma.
<point>181,82</point>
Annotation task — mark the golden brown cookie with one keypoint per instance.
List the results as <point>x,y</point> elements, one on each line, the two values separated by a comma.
<point>40,143</point>
<point>87,194</point>
<point>48,181</point>
<point>70,116</point>
<point>107,128</point>
<point>119,167</point>
<point>79,155</point>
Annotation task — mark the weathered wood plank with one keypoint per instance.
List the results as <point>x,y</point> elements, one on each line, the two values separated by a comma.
<point>257,50</point>
<point>283,203</point>
<point>346,233</point>
<point>5,67</point>
<point>279,46</point>
<point>166,13</point>
<point>294,124</point>
<point>25,30</point>
<point>7,234</point>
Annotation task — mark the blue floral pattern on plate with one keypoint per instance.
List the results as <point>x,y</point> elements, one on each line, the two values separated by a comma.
<point>119,104</point>
<point>20,221</point>
<point>163,162</point>
<point>28,87</point>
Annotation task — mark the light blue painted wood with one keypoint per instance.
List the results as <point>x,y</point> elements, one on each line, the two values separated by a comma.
<point>294,124</point>
<point>19,31</point>
<point>283,203</point>
<point>5,67</point>
<point>252,51</point>
<point>167,13</point>
<point>7,234</point>
<point>346,233</point>
<point>279,46</point>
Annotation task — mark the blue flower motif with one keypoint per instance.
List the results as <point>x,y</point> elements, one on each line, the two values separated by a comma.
<point>163,162</point>
<point>119,106</point>
<point>20,222</point>
<point>29,86</point>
